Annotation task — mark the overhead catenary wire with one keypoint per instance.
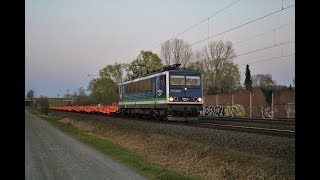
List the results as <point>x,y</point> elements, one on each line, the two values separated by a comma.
<point>269,59</point>
<point>264,48</point>
<point>244,40</point>
<point>242,25</point>
<point>268,47</point>
<point>252,21</point>
<point>196,25</point>
<point>206,19</point>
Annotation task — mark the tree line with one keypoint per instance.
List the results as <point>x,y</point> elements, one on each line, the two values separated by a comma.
<point>215,60</point>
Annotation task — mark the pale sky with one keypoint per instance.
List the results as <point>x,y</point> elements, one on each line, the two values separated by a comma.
<point>67,40</point>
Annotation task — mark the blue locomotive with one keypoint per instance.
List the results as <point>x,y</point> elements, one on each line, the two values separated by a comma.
<point>171,93</point>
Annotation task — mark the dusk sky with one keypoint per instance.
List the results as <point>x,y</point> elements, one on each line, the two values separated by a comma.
<point>67,40</point>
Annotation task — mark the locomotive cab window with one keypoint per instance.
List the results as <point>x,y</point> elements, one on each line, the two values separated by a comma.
<point>193,81</point>
<point>177,80</point>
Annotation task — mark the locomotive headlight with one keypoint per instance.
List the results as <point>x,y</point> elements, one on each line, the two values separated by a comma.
<point>170,99</point>
<point>199,99</point>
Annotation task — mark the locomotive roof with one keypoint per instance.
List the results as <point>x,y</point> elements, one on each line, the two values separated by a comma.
<point>184,71</point>
<point>178,72</point>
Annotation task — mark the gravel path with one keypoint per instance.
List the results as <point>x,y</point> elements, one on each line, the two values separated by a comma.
<point>51,154</point>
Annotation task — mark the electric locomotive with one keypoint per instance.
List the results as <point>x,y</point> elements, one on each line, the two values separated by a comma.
<point>171,93</point>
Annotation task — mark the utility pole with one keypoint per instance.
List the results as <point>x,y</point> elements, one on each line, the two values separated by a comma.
<point>232,99</point>
<point>250,102</point>
<point>272,105</point>
<point>250,105</point>
<point>67,92</point>
<point>217,100</point>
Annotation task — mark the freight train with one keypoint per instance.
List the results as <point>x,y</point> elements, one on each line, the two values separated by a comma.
<point>169,93</point>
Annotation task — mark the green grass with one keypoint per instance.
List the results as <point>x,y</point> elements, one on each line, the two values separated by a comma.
<point>136,162</point>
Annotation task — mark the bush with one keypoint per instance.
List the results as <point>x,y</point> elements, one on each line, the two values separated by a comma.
<point>44,105</point>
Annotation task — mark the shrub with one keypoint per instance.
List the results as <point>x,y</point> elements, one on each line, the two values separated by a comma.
<point>44,106</point>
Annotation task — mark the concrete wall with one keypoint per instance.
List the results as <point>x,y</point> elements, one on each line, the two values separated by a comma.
<point>283,102</point>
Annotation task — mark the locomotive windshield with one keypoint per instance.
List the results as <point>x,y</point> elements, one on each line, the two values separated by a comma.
<point>185,80</point>
<point>192,80</point>
<point>177,80</point>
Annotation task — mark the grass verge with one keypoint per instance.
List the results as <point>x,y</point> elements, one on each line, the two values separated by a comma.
<point>136,162</point>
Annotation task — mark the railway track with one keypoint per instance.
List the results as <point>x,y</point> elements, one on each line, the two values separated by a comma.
<point>289,122</point>
<point>211,125</point>
<point>247,129</point>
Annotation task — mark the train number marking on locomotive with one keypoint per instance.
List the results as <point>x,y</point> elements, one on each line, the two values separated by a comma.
<point>175,90</point>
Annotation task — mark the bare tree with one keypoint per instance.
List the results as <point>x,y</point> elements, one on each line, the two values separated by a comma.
<point>217,54</point>
<point>221,74</point>
<point>81,91</point>
<point>176,51</point>
<point>31,94</point>
<point>196,62</point>
<point>262,80</point>
<point>166,52</point>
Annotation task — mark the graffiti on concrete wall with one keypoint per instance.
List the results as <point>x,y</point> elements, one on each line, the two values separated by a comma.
<point>235,110</point>
<point>290,110</point>
<point>267,112</point>
<point>213,110</point>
